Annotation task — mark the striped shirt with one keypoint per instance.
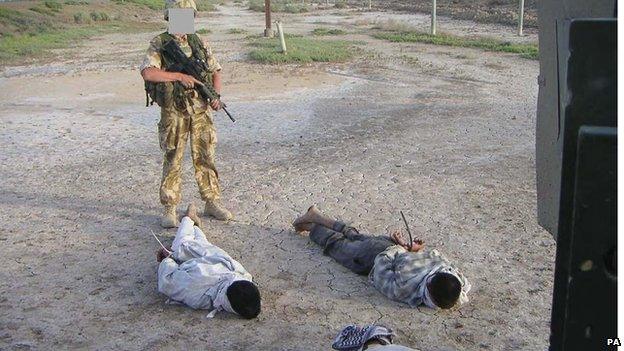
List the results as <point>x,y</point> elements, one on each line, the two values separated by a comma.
<point>402,275</point>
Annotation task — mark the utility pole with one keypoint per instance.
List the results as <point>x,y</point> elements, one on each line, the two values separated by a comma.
<point>268,32</point>
<point>521,17</point>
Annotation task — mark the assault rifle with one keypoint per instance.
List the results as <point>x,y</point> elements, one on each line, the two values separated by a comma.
<point>195,68</point>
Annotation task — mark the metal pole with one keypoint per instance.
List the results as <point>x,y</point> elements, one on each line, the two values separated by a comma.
<point>433,18</point>
<point>521,18</point>
<point>280,31</point>
<point>268,32</point>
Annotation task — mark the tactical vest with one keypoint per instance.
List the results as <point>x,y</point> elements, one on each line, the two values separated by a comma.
<point>167,93</point>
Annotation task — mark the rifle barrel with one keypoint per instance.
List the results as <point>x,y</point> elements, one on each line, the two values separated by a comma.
<point>227,113</point>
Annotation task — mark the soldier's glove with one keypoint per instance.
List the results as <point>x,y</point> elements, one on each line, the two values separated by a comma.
<point>353,338</point>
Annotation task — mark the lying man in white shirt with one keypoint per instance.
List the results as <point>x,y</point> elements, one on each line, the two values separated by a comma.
<point>203,276</point>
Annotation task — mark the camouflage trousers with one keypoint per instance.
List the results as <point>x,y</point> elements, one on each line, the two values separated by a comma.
<point>174,130</point>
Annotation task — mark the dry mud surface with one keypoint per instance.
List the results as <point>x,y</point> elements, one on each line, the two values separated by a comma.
<point>444,134</point>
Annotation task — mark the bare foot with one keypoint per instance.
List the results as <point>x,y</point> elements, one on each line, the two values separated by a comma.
<point>304,227</point>
<point>306,222</point>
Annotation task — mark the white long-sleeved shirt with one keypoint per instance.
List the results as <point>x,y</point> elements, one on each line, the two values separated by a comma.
<point>198,273</point>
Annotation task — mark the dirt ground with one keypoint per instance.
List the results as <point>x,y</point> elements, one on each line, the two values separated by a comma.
<point>444,134</point>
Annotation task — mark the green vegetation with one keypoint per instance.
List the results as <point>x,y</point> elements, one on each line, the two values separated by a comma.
<point>202,5</point>
<point>53,5</point>
<point>208,5</point>
<point>301,50</point>
<point>151,4</point>
<point>36,45</point>
<point>76,2</point>
<point>30,34</point>
<point>289,6</point>
<point>327,31</point>
<point>236,31</point>
<point>340,4</point>
<point>16,22</point>
<point>80,17</point>
<point>203,31</point>
<point>28,45</point>
<point>529,51</point>
<point>43,10</point>
<point>99,16</point>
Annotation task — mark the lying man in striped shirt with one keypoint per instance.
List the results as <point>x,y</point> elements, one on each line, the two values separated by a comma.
<point>402,271</point>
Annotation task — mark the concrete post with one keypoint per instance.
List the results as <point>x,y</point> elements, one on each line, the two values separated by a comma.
<point>280,31</point>
<point>433,18</point>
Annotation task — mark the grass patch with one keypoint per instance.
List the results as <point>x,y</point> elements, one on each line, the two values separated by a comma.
<point>208,5</point>
<point>301,50</point>
<point>53,5</point>
<point>151,4</point>
<point>202,5</point>
<point>529,51</point>
<point>34,44</point>
<point>288,6</point>
<point>236,31</point>
<point>99,16</point>
<point>27,35</point>
<point>203,31</point>
<point>16,22</point>
<point>43,10</point>
<point>341,4</point>
<point>327,31</point>
<point>31,45</point>
<point>81,17</point>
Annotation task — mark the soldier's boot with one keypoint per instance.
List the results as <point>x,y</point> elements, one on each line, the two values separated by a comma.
<point>215,209</point>
<point>169,218</point>
<point>191,212</point>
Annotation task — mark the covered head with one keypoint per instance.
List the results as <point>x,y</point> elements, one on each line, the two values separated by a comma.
<point>244,297</point>
<point>444,289</point>
<point>179,4</point>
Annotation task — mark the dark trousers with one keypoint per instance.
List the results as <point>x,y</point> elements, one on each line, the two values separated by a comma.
<point>350,248</point>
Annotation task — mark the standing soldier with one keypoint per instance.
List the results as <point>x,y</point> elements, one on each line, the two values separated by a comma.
<point>184,113</point>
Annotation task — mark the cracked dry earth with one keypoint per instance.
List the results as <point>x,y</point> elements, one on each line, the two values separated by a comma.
<point>447,138</point>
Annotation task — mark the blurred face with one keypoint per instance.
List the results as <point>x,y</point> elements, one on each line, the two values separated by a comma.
<point>181,21</point>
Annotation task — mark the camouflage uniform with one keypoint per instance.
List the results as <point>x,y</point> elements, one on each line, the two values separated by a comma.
<point>174,129</point>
